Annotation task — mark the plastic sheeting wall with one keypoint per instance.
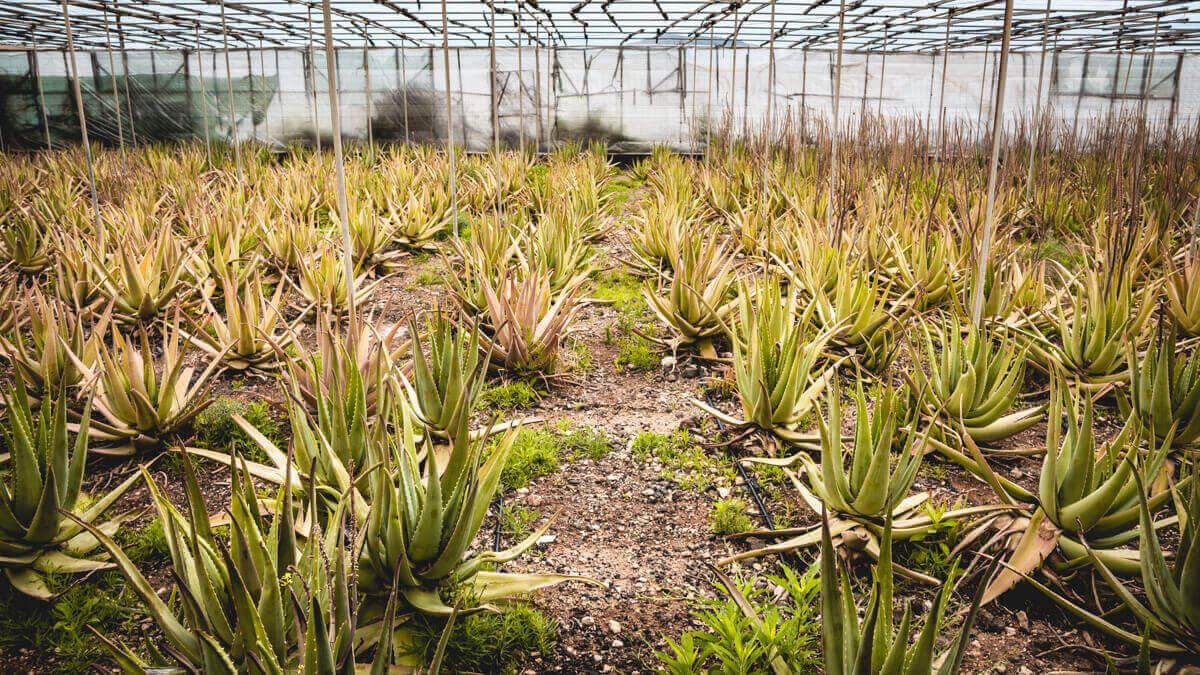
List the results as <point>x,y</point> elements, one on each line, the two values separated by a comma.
<point>631,97</point>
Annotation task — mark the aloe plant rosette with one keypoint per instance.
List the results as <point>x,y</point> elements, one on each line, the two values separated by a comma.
<point>44,483</point>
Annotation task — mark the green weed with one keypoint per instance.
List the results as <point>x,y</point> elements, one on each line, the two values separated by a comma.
<point>516,521</point>
<point>509,396</point>
<point>486,642</point>
<point>217,430</point>
<point>731,642</point>
<point>728,516</point>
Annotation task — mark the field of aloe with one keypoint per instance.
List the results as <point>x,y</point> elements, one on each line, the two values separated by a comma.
<point>720,414</point>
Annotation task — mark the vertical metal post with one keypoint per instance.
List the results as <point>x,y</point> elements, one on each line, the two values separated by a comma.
<point>708,101</point>
<point>492,90</point>
<point>942,94</point>
<point>87,146</point>
<point>1037,109</point>
<point>237,154</point>
<point>340,169</point>
<point>37,69</point>
<point>997,131</point>
<point>537,80</point>
<point>112,72</point>
<point>767,130</point>
<point>312,76</point>
<point>367,74</point>
<point>404,91</point>
<point>125,74</point>
<point>882,72</point>
<point>449,116</point>
<point>767,127</point>
<point>732,92</point>
<point>203,98</point>
<point>262,78</point>
<point>835,126</point>
<point>983,85</point>
<point>520,80</point>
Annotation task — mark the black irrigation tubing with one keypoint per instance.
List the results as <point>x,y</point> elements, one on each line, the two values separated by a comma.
<point>499,511</point>
<point>747,480</point>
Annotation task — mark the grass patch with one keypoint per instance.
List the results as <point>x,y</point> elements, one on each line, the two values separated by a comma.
<point>516,521</point>
<point>728,516</point>
<point>624,292</point>
<point>217,430</point>
<point>509,396</point>
<point>428,278</point>
<point>636,353</point>
<point>487,642</point>
<point>59,630</point>
<point>540,452</point>
<point>684,463</point>
<point>147,545</point>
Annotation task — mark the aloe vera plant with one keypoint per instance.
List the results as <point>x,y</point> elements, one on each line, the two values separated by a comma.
<point>42,356</point>
<point>696,300</point>
<point>854,308</point>
<point>1170,615</point>
<point>1082,492</point>
<point>443,388</point>
<point>774,362</point>
<point>1164,390</point>
<point>262,602</point>
<point>875,645</point>
<point>486,256</point>
<point>144,275</point>
<point>245,333</point>
<point>973,381</point>
<point>142,399</point>
<point>1182,289</point>
<point>1094,333</point>
<point>321,282</point>
<point>875,488</point>
<point>527,322</point>
<point>426,508</point>
<point>44,481</point>
<point>24,243</point>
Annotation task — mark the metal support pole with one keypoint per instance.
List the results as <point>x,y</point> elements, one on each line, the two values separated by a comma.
<point>942,95</point>
<point>340,169</point>
<point>203,98</point>
<point>1037,114</point>
<point>708,98</point>
<point>520,80</point>
<point>837,96</point>
<point>767,127</point>
<point>87,146</point>
<point>237,154</point>
<point>367,74</point>
<point>125,74</point>
<point>985,243</point>
<point>732,94</point>
<point>449,116</point>
<point>312,76</point>
<point>37,70</point>
<point>112,73</point>
<point>492,91</point>
<point>262,78</point>
<point>882,71</point>
<point>404,91</point>
<point>537,80</point>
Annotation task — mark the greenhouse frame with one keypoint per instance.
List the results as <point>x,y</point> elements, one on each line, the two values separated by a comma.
<point>596,336</point>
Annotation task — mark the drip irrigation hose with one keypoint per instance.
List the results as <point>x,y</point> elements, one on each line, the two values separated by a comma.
<point>499,510</point>
<point>749,482</point>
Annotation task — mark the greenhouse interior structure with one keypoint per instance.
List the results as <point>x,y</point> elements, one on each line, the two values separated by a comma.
<point>600,336</point>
